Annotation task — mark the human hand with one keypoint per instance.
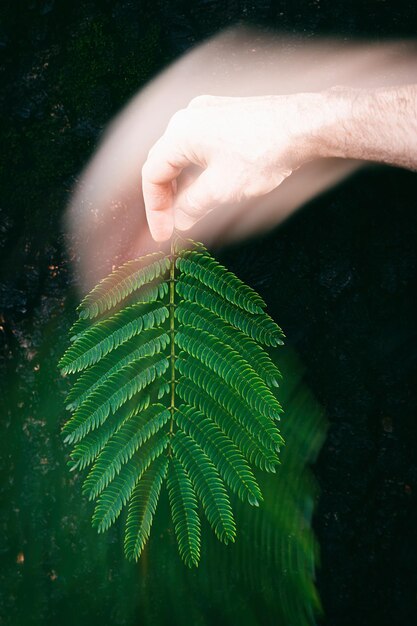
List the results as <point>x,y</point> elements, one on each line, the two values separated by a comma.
<point>220,151</point>
<point>105,219</point>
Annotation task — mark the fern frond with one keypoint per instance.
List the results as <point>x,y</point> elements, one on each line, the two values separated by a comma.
<point>152,292</point>
<point>118,492</point>
<point>122,446</point>
<point>230,367</point>
<point>122,282</point>
<point>227,457</point>
<point>173,384</point>
<point>207,484</point>
<point>148,343</point>
<point>256,423</point>
<point>121,386</point>
<point>260,327</point>
<point>180,244</point>
<point>193,315</point>
<point>109,334</point>
<point>184,512</point>
<point>91,445</point>
<point>79,326</point>
<point>142,508</point>
<point>147,294</point>
<point>209,272</point>
<point>253,450</point>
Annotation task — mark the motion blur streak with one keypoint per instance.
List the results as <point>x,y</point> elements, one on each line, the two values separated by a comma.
<point>106,219</point>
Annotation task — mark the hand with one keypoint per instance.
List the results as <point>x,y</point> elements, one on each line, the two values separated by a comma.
<point>220,151</point>
<point>105,218</point>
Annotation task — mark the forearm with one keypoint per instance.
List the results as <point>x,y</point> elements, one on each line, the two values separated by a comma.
<point>376,125</point>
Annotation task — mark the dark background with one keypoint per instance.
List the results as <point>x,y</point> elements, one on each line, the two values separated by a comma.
<point>339,277</point>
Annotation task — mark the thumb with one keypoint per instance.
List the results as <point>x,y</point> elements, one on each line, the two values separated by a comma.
<point>202,196</point>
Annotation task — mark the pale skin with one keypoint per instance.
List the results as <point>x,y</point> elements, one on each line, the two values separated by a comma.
<point>220,151</point>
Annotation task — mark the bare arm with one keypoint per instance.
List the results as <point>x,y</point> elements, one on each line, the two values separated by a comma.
<point>375,125</point>
<point>236,149</point>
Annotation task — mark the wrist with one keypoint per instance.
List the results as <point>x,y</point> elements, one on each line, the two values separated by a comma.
<point>332,122</point>
<point>316,122</point>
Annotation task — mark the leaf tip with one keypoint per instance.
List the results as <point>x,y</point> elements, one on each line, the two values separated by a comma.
<point>253,500</point>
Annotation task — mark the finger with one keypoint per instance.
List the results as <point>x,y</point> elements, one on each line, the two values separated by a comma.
<point>159,172</point>
<point>158,206</point>
<point>203,101</point>
<point>205,194</point>
<point>215,101</point>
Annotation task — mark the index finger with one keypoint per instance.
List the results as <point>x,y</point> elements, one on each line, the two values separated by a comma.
<point>163,165</point>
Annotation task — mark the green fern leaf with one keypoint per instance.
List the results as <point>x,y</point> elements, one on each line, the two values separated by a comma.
<point>222,451</point>
<point>107,335</point>
<point>120,387</point>
<point>121,447</point>
<point>142,508</point>
<point>209,272</point>
<point>91,445</point>
<point>122,282</point>
<point>195,316</point>
<point>260,327</point>
<point>257,424</point>
<point>207,484</point>
<point>148,343</point>
<point>119,491</point>
<point>251,447</point>
<point>230,367</point>
<point>173,384</point>
<point>164,389</point>
<point>183,503</point>
<point>149,293</point>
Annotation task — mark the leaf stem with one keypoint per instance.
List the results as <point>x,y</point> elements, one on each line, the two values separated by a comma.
<point>172,334</point>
